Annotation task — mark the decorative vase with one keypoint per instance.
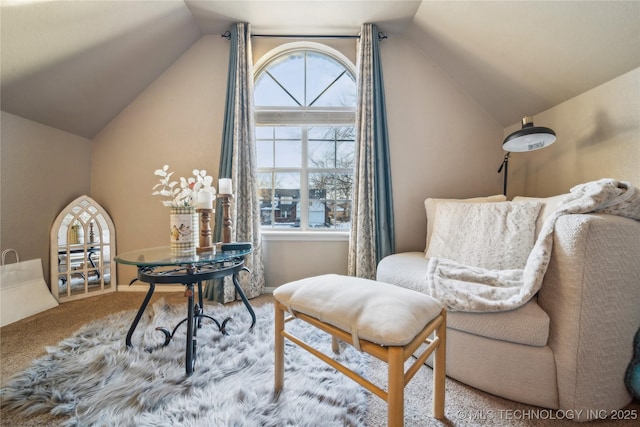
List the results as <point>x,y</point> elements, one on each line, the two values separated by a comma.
<point>183,230</point>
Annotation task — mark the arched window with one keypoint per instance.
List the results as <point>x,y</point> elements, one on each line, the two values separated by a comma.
<point>305,101</point>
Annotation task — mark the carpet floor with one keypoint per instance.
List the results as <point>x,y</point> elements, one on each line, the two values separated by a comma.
<point>23,341</point>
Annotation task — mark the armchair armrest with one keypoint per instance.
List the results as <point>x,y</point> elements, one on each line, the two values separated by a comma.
<point>591,292</point>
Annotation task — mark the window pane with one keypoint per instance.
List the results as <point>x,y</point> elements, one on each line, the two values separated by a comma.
<point>321,185</point>
<point>288,132</point>
<point>318,214</point>
<point>331,147</point>
<point>268,93</point>
<point>264,146</point>
<point>264,132</point>
<point>321,154</point>
<point>288,71</point>
<point>288,154</point>
<point>345,154</point>
<point>321,73</point>
<point>264,151</point>
<point>330,214</point>
<point>343,185</point>
<point>320,189</point>
<point>346,133</point>
<point>265,186</point>
<point>286,201</point>
<point>343,214</point>
<point>322,132</point>
<point>288,147</point>
<point>342,93</point>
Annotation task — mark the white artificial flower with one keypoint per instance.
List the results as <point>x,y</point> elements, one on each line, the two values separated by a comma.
<point>185,194</point>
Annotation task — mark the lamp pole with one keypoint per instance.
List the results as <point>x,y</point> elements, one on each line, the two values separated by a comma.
<point>505,165</point>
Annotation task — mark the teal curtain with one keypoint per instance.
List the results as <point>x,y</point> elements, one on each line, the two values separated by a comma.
<point>238,161</point>
<point>214,290</point>
<point>226,150</point>
<point>372,227</point>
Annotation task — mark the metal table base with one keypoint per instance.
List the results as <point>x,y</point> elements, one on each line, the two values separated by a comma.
<point>189,275</point>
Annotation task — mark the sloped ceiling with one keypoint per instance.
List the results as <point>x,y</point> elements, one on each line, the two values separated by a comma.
<point>75,65</point>
<point>518,58</point>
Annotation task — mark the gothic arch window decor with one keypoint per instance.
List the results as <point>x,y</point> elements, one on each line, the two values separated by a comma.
<point>83,242</point>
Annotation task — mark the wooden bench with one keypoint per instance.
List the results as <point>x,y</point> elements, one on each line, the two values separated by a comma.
<point>383,320</point>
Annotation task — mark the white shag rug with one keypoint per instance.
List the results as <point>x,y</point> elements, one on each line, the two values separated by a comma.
<point>92,378</point>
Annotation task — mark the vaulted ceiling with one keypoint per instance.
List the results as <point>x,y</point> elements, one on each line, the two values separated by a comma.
<point>75,65</point>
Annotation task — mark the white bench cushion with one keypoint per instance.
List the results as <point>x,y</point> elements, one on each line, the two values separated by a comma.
<point>373,311</point>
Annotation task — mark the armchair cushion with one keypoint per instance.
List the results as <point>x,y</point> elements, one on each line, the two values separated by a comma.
<point>431,204</point>
<point>549,204</point>
<point>495,236</point>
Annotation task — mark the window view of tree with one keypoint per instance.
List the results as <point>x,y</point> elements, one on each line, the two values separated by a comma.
<point>305,141</point>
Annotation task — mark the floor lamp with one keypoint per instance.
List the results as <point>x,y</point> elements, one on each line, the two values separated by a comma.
<point>529,138</point>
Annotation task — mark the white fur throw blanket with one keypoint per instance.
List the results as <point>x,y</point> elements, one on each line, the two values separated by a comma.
<point>472,289</point>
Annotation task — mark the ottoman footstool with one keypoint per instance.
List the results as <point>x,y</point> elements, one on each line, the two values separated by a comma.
<point>383,320</point>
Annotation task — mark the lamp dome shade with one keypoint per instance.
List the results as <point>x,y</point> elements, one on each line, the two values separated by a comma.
<point>529,138</point>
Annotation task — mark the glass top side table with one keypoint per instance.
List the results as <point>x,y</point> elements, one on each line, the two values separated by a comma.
<point>159,266</point>
<point>162,257</point>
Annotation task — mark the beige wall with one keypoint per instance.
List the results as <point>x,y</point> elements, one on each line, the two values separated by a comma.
<point>43,170</point>
<point>177,120</point>
<point>287,260</point>
<point>442,144</point>
<point>598,137</point>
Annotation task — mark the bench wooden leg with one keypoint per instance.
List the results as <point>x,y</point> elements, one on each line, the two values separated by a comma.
<point>279,348</point>
<point>335,345</point>
<point>395,396</point>
<point>439,369</point>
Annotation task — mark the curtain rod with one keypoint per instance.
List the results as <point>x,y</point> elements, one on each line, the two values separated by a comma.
<point>381,36</point>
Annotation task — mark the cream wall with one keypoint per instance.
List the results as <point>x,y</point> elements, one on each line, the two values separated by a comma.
<point>287,260</point>
<point>598,136</point>
<point>177,120</point>
<point>442,144</point>
<point>42,170</point>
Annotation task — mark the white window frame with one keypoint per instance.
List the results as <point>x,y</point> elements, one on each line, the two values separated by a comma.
<point>304,117</point>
